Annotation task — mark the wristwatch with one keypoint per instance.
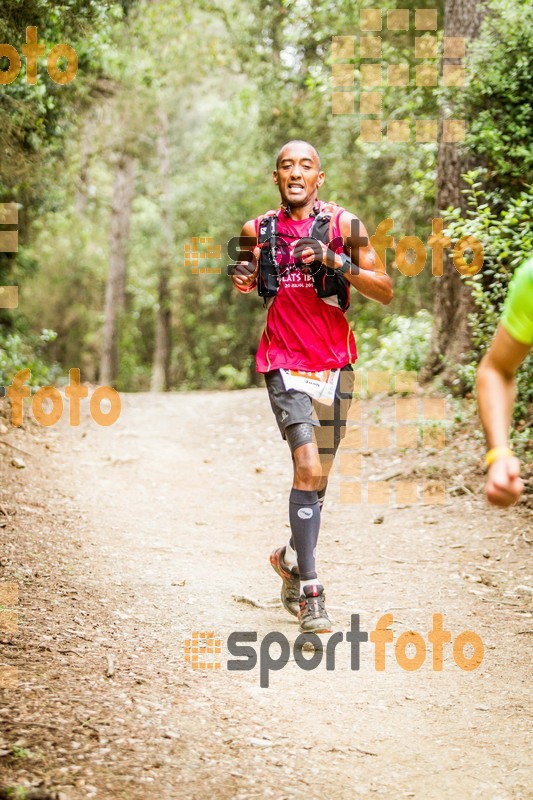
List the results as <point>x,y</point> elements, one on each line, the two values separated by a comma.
<point>346,264</point>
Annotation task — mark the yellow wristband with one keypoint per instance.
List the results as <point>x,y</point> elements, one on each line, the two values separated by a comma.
<point>497,452</point>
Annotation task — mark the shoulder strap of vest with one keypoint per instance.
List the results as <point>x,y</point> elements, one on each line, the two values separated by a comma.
<point>327,281</point>
<point>324,222</point>
<point>320,227</point>
<point>268,227</point>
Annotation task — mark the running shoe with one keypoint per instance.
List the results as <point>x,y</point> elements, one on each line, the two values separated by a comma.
<point>290,587</point>
<point>313,617</point>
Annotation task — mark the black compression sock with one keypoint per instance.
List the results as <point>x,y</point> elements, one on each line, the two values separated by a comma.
<point>304,516</point>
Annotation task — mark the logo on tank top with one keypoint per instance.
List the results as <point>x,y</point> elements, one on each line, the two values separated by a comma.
<point>294,278</point>
<point>305,513</point>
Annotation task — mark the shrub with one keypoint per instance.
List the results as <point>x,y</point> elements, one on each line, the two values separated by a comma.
<point>27,352</point>
<point>401,343</point>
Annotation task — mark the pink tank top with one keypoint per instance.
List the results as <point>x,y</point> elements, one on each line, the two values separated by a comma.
<point>302,331</point>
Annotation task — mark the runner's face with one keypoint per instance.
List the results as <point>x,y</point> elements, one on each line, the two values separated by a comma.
<point>298,175</point>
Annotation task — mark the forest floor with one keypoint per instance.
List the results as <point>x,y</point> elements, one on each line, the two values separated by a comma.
<point>123,541</point>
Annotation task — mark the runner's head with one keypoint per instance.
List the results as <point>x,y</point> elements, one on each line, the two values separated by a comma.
<point>298,173</point>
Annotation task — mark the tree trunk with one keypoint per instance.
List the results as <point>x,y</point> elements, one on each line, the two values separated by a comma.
<point>451,337</point>
<point>85,157</point>
<point>161,362</point>
<point>115,296</point>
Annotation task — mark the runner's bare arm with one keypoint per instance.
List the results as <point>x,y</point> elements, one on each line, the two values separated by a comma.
<point>245,272</point>
<point>372,280</point>
<point>495,395</point>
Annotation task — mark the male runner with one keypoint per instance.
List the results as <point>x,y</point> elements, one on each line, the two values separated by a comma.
<point>496,386</point>
<point>308,333</point>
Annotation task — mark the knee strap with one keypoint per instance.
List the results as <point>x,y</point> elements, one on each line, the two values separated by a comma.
<point>298,434</point>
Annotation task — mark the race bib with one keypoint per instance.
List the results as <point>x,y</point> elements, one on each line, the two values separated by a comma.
<point>320,386</point>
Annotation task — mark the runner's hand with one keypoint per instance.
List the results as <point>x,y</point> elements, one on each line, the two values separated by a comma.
<point>245,272</point>
<point>308,255</point>
<point>504,485</point>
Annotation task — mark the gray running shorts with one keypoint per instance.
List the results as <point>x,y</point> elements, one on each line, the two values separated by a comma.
<point>291,406</point>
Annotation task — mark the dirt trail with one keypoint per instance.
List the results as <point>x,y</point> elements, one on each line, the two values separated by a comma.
<point>129,539</point>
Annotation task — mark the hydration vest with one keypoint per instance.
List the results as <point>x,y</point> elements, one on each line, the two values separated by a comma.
<point>327,281</point>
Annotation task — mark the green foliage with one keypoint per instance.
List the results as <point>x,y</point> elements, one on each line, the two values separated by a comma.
<point>67,292</point>
<point>401,343</point>
<point>34,118</point>
<point>136,339</point>
<point>506,230</point>
<point>28,352</point>
<point>16,792</point>
<point>21,752</point>
<point>497,100</point>
<point>37,120</point>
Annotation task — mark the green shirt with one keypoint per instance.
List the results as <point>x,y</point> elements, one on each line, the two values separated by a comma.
<point>517,317</point>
